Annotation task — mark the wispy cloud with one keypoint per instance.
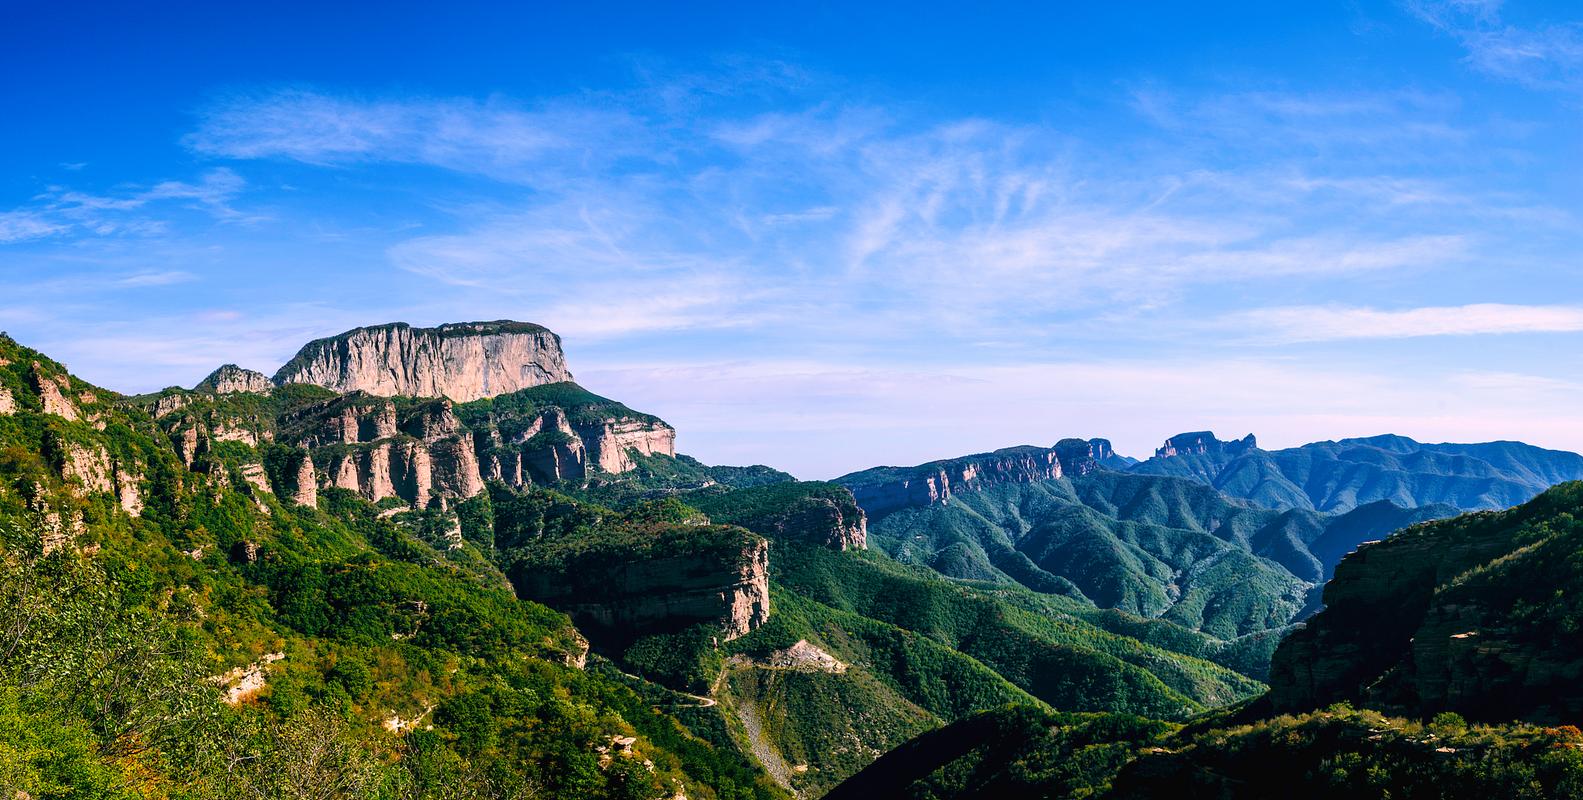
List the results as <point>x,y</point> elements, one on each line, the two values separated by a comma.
<point>63,211</point>
<point>970,223</point>
<point>1331,323</point>
<point>1545,56</point>
<point>20,226</point>
<point>493,137</point>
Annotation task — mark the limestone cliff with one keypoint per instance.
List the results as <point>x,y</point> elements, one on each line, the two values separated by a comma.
<point>885,489</point>
<point>463,361</point>
<point>1201,443</point>
<point>231,378</point>
<point>813,512</point>
<point>432,452</point>
<point>1082,456</point>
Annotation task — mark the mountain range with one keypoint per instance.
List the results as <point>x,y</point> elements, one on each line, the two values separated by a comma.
<point>423,562</point>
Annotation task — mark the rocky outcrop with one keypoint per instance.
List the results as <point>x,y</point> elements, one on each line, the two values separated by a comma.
<point>1082,456</point>
<point>1201,443</point>
<point>824,521</point>
<point>170,403</point>
<point>230,379</point>
<point>812,512</point>
<point>802,656</point>
<point>883,490</point>
<point>52,391</point>
<point>88,466</point>
<point>7,402</point>
<point>462,361</point>
<point>128,492</point>
<point>612,596</point>
<point>305,484</point>
<point>609,442</point>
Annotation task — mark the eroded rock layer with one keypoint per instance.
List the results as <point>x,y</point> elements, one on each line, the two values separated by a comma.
<point>463,361</point>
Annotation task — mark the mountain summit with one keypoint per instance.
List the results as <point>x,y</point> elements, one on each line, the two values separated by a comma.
<point>463,361</point>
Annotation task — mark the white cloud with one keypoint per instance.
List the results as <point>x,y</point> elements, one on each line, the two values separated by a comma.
<point>1331,323</point>
<point>493,138</point>
<point>1544,56</point>
<point>21,226</point>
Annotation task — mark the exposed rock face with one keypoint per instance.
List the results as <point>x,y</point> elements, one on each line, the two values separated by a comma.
<point>836,525</point>
<point>885,489</point>
<point>659,592</point>
<point>609,445</point>
<point>231,378</point>
<point>1204,443</point>
<point>462,361</point>
<point>90,467</point>
<point>815,512</point>
<point>127,492</point>
<point>52,393</point>
<point>305,492</point>
<point>7,402</point>
<point>169,404</point>
<point>804,656</point>
<point>1080,456</point>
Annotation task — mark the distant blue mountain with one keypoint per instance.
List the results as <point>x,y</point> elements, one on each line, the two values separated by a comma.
<point>1339,476</point>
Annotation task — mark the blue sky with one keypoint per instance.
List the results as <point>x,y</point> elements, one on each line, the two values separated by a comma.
<point>826,238</point>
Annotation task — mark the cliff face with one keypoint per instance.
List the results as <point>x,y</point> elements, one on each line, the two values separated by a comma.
<point>1204,443</point>
<point>1473,614</point>
<point>813,512</point>
<point>231,378</point>
<point>462,361</point>
<point>883,490</point>
<point>1082,456</point>
<point>420,451</point>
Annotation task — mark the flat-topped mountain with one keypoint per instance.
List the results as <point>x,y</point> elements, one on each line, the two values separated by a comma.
<point>463,361</point>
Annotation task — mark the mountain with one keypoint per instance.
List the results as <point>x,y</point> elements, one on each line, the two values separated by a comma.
<point>1336,477</point>
<point>186,611</point>
<point>508,586</point>
<point>462,361</point>
<point>1149,545</point>
<point>1476,615</point>
<point>1467,618</point>
<point>1340,752</point>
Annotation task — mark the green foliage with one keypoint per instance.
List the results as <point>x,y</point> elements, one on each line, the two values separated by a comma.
<point>689,659</point>
<point>1034,643</point>
<point>1341,752</point>
<point>582,407</point>
<point>1017,751</point>
<point>1500,592</point>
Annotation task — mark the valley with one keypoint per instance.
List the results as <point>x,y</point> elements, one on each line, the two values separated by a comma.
<point>421,558</point>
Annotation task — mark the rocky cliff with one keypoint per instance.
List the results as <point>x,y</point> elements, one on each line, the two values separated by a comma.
<point>231,378</point>
<point>1476,614</point>
<point>462,361</point>
<point>1204,443</point>
<point>883,490</point>
<point>812,512</point>
<point>426,452</point>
